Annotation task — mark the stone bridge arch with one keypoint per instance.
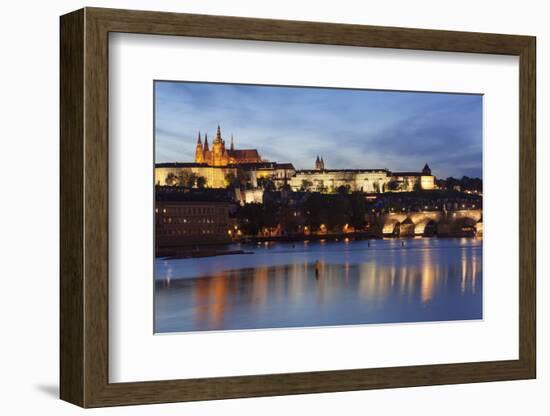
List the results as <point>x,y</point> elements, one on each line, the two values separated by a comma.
<point>462,223</point>
<point>473,214</point>
<point>392,227</point>
<point>426,227</point>
<point>465,225</point>
<point>426,222</point>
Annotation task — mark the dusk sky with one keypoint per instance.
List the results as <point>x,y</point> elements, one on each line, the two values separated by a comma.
<point>400,131</point>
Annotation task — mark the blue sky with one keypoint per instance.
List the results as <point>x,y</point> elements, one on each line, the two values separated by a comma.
<point>349,128</point>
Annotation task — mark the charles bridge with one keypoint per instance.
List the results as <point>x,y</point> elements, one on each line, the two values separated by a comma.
<point>424,223</point>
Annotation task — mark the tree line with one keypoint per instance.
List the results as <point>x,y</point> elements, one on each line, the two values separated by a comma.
<point>464,184</point>
<point>187,179</point>
<point>333,211</point>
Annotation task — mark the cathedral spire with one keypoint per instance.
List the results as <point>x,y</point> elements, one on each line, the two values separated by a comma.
<point>322,163</point>
<point>206,149</point>
<point>232,147</point>
<point>199,151</point>
<point>426,170</point>
<point>218,138</point>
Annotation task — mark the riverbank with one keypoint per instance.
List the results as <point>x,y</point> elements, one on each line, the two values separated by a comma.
<point>195,253</point>
<point>312,237</point>
<point>215,250</point>
<point>350,236</point>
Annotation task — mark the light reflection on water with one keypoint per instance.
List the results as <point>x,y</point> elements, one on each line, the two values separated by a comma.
<point>314,284</point>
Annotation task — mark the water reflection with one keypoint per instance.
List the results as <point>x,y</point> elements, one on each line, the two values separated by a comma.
<point>327,283</point>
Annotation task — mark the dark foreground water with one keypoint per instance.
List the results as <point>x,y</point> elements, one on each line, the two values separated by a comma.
<point>321,283</point>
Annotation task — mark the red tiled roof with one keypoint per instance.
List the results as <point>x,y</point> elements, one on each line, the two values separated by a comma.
<point>244,154</point>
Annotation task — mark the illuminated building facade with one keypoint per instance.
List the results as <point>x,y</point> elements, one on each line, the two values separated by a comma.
<point>328,181</point>
<point>218,163</point>
<point>413,181</point>
<point>362,180</point>
<point>278,173</point>
<point>179,223</point>
<point>219,155</point>
<point>215,176</point>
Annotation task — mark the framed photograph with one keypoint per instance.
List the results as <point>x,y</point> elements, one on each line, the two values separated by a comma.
<point>255,207</point>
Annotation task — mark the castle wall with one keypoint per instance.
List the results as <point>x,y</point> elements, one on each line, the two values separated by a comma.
<point>215,176</point>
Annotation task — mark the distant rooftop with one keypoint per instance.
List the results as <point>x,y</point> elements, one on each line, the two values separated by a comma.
<point>249,166</point>
<point>265,165</point>
<point>340,170</point>
<point>181,165</point>
<point>407,173</point>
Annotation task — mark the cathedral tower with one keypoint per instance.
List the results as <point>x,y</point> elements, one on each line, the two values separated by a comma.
<point>219,155</point>
<point>426,170</point>
<point>319,164</point>
<point>199,151</point>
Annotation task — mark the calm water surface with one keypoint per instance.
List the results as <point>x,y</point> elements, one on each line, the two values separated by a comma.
<point>355,282</point>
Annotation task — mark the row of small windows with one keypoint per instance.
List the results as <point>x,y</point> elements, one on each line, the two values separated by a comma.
<point>180,232</point>
<point>187,210</point>
<point>179,220</point>
<point>346,180</point>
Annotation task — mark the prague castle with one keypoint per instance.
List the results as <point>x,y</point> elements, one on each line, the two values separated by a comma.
<point>219,165</point>
<point>220,155</point>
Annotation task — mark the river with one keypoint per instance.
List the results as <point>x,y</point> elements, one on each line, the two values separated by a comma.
<point>310,284</point>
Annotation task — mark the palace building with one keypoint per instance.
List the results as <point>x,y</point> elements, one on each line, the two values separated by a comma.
<point>219,155</point>
<point>410,181</point>
<point>329,180</point>
<point>363,180</point>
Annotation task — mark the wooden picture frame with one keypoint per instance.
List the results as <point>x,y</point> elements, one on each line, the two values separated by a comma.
<point>84,207</point>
